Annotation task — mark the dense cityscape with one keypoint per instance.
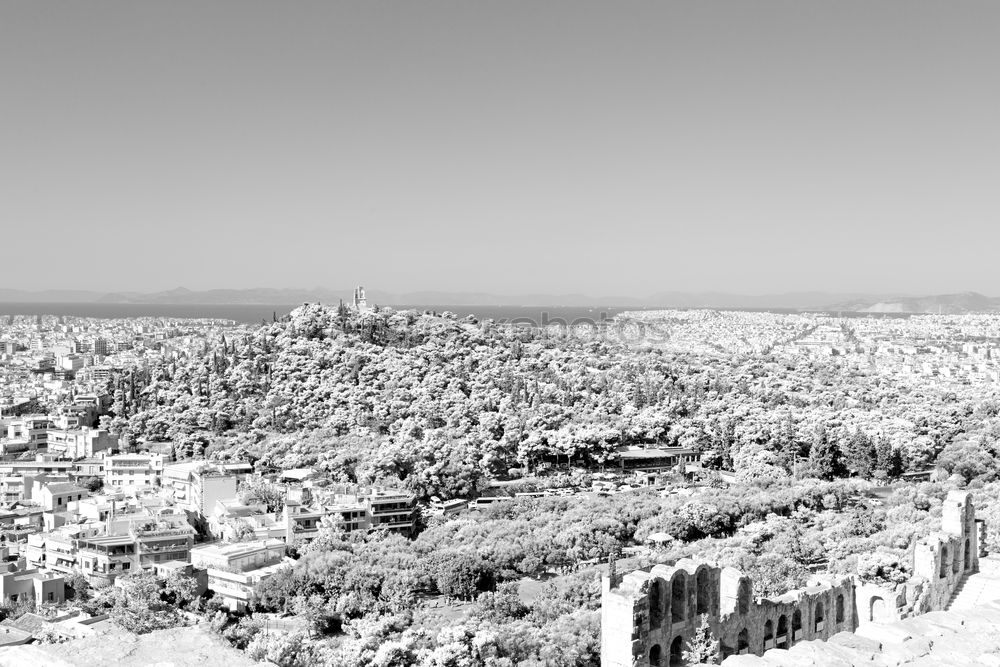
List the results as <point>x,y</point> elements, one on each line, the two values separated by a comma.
<point>678,342</point>
<point>355,485</point>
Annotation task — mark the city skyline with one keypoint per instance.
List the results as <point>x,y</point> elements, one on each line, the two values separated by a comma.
<point>566,148</point>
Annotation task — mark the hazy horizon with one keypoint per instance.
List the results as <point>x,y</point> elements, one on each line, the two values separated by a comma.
<point>511,148</point>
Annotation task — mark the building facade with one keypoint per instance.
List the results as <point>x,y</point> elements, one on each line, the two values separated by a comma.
<point>647,615</point>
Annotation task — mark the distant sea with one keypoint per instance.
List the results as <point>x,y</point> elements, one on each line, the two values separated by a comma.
<point>254,313</point>
<point>244,313</point>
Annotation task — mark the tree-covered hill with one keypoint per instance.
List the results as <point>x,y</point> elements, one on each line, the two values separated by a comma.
<point>443,404</point>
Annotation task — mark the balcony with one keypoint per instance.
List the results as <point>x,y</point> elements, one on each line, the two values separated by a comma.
<point>384,511</point>
<point>161,548</point>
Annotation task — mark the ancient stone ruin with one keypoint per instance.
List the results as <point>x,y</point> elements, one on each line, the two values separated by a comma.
<point>647,615</point>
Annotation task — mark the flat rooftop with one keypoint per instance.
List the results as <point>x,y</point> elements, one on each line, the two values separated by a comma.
<point>235,548</point>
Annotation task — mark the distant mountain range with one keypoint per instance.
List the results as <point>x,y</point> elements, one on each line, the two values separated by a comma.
<point>965,302</point>
<point>948,304</point>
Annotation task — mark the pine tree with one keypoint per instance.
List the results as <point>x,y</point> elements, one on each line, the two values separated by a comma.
<point>702,647</point>
<point>825,458</point>
<point>888,460</point>
<point>859,454</point>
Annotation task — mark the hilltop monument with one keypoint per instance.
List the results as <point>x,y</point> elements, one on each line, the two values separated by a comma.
<point>360,300</point>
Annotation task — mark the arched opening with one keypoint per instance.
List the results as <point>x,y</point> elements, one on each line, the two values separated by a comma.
<point>954,563</point>
<point>877,611</point>
<point>944,562</point>
<point>743,599</point>
<point>678,595</point>
<point>655,604</point>
<point>796,626</point>
<point>967,560</point>
<point>655,659</point>
<point>768,634</point>
<point>818,618</point>
<point>840,609</point>
<point>743,642</point>
<point>704,605</point>
<point>677,652</point>
<point>782,639</point>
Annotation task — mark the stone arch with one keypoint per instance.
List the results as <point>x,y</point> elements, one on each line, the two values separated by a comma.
<point>967,556</point>
<point>818,617</point>
<point>703,588</point>
<point>655,603</point>
<point>655,656</point>
<point>743,641</point>
<point>840,609</point>
<point>877,610</point>
<point>743,597</point>
<point>678,597</point>
<point>782,638</point>
<point>768,629</point>
<point>944,561</point>
<point>796,624</point>
<point>677,651</point>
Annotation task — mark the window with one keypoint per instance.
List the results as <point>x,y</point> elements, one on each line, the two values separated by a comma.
<point>51,596</point>
<point>743,597</point>
<point>678,597</point>
<point>126,566</point>
<point>703,597</point>
<point>655,605</point>
<point>818,617</point>
<point>944,562</point>
<point>743,642</point>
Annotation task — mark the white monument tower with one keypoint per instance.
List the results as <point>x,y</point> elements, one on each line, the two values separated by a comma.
<point>360,301</point>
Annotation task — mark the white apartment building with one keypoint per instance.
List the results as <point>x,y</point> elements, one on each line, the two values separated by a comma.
<point>198,485</point>
<point>80,443</point>
<point>133,470</point>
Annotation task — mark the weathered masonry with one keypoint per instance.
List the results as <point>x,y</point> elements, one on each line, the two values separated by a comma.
<point>647,615</point>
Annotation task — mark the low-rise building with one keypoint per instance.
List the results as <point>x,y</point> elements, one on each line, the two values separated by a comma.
<point>40,587</point>
<point>80,443</point>
<point>656,459</point>
<point>132,470</point>
<point>56,497</point>
<point>232,521</point>
<point>235,570</point>
<point>395,511</point>
<point>198,485</point>
<point>238,556</point>
<point>135,541</point>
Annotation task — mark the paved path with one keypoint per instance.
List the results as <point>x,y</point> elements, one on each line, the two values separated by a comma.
<point>978,588</point>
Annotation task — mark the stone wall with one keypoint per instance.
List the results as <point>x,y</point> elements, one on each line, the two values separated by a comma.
<point>647,615</point>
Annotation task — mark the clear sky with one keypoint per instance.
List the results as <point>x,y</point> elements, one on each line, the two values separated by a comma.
<point>508,146</point>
